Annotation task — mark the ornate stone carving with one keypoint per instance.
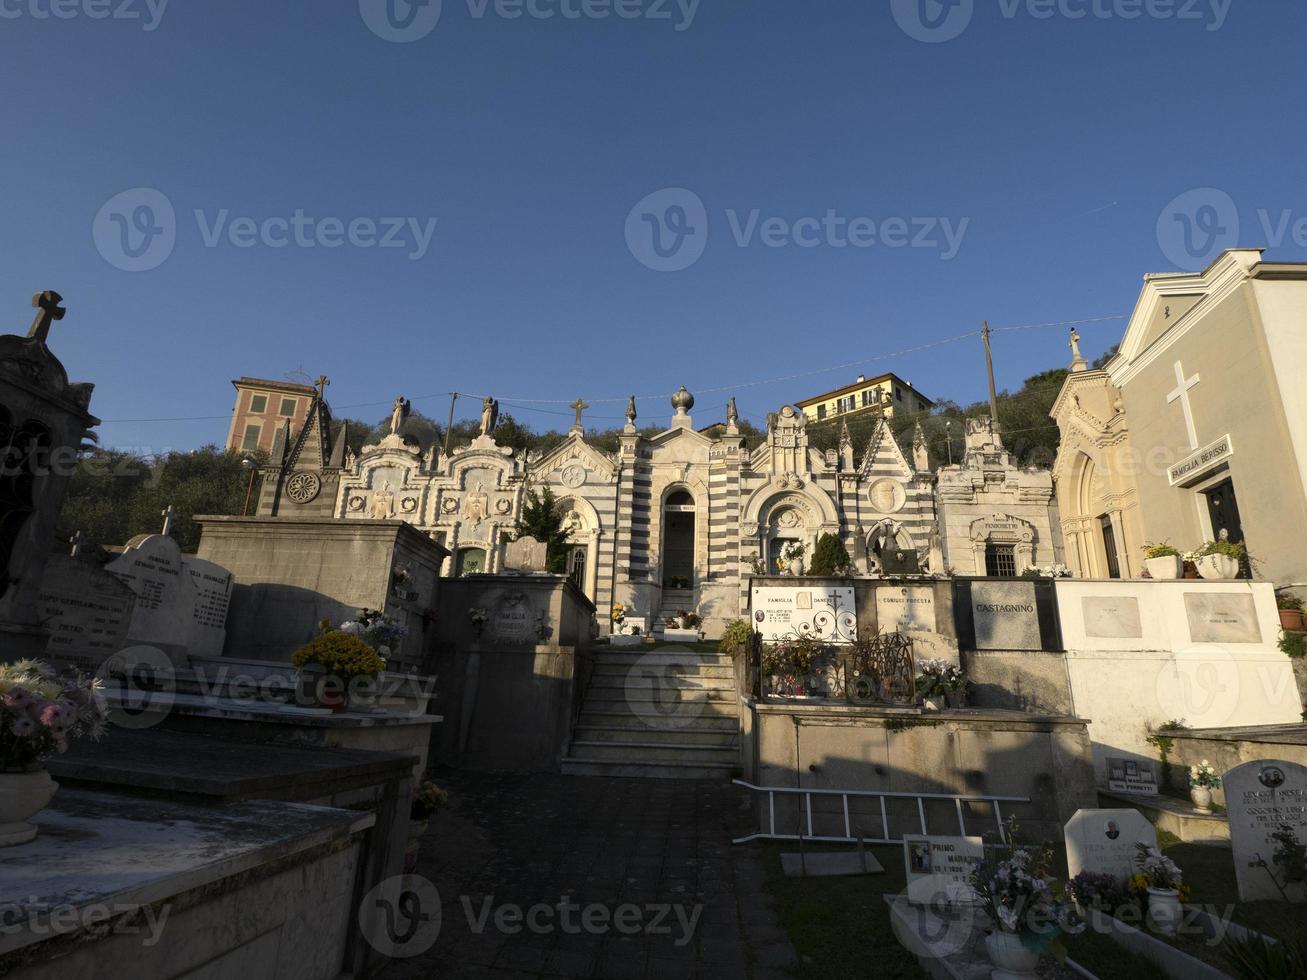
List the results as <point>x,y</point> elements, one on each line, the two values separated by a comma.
<point>449,505</point>
<point>303,487</point>
<point>887,496</point>
<point>503,505</point>
<point>356,503</point>
<point>573,476</point>
<point>408,505</point>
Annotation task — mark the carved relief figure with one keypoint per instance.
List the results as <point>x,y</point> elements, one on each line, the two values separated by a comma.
<point>383,503</point>
<point>474,505</point>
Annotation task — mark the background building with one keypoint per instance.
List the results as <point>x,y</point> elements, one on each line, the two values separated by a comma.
<point>262,408</point>
<point>887,394</point>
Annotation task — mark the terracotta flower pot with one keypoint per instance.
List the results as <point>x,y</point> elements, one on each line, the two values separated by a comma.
<point>22,795</point>
<point>1291,620</point>
<point>1169,566</point>
<point>1012,961</point>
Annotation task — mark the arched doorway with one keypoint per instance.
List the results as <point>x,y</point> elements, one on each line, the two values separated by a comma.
<point>784,528</point>
<point>470,561</point>
<point>678,540</point>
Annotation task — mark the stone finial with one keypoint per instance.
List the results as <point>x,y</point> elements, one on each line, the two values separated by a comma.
<point>50,310</point>
<point>920,449</point>
<point>578,407</point>
<point>630,414</point>
<point>682,401</point>
<point>732,417</point>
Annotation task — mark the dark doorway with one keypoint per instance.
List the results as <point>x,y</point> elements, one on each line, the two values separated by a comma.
<point>1224,511</point>
<point>1109,545</point>
<point>576,566</point>
<point>678,541</point>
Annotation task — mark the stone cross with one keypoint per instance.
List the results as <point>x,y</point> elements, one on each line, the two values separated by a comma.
<point>321,384</point>
<point>48,303</point>
<point>169,516</point>
<point>1181,393</point>
<point>578,406</point>
<point>76,542</point>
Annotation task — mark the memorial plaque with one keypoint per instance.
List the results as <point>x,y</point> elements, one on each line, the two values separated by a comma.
<point>513,620</point>
<point>1262,798</point>
<point>902,609</point>
<point>826,613</point>
<point>1006,615</point>
<point>87,611</point>
<point>1104,841</point>
<point>1222,617</point>
<point>1134,777</point>
<point>526,554</point>
<point>1112,617</point>
<point>939,868</point>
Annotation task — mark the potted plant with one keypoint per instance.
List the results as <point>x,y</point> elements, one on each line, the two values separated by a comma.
<point>428,800</point>
<point>1024,901</point>
<point>956,686</point>
<point>1220,559</point>
<point>1161,879</point>
<point>335,665</point>
<point>932,684</point>
<point>40,713</point>
<point>790,561</point>
<point>1099,892</point>
<point>1290,607</point>
<point>1163,561</point>
<point>1202,780</point>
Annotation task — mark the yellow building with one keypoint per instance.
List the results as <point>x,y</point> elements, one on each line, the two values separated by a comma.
<point>885,394</point>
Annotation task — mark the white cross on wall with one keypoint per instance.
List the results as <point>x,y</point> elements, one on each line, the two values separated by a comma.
<point>1181,392</point>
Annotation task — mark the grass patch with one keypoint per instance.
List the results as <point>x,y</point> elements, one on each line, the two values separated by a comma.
<point>840,926</point>
<point>1104,957</point>
<point>1209,872</point>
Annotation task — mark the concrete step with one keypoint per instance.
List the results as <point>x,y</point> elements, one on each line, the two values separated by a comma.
<point>654,752</point>
<point>629,721</point>
<point>620,672</point>
<point>661,656</point>
<point>626,702</point>
<point>581,766</point>
<point>696,735</point>
<point>609,686</point>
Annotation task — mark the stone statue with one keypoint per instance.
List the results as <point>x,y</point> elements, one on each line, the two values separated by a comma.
<point>489,415</point>
<point>1075,344</point>
<point>398,414</point>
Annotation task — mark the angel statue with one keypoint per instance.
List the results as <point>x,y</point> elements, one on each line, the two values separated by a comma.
<point>399,413</point>
<point>489,415</point>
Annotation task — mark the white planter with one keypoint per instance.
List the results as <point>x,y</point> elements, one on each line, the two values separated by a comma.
<point>1201,797</point>
<point>1012,961</point>
<point>22,795</point>
<point>1172,566</point>
<point>625,640</point>
<point>1218,567</point>
<point>681,636</point>
<point>933,704</point>
<point>1164,910</point>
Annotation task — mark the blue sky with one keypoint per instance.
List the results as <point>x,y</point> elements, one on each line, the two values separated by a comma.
<point>1051,146</point>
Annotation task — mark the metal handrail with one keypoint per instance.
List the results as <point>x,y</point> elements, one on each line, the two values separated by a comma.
<point>849,838</point>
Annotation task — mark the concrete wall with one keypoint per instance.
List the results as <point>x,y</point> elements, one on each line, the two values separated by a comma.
<point>289,574</point>
<point>508,698</point>
<point>1046,759</point>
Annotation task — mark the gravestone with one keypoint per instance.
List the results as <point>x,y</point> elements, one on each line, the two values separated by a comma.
<point>1134,777</point>
<point>939,868</point>
<point>1006,615</point>
<point>526,554</point>
<point>1222,617</point>
<point>905,609</point>
<point>87,612</point>
<point>1104,841</point>
<point>1112,617</point>
<point>1261,798</point>
<point>181,601</point>
<point>512,620</point>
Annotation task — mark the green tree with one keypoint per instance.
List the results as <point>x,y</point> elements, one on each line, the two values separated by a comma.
<point>830,557</point>
<point>543,520</point>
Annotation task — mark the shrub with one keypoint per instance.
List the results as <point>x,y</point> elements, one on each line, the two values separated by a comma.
<point>830,557</point>
<point>428,800</point>
<point>1293,644</point>
<point>1287,600</point>
<point>736,638</point>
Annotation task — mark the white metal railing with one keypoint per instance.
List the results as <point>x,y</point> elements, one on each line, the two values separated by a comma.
<point>849,837</point>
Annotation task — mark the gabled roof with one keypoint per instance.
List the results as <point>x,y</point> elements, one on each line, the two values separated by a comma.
<point>883,456</point>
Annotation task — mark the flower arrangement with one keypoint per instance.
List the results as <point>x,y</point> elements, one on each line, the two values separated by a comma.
<point>1017,888</point>
<point>375,629</point>
<point>341,654</point>
<point>1231,549</point>
<point>791,661</point>
<point>40,713</point>
<point>755,563</point>
<point>1156,870</point>
<point>428,800</point>
<point>618,615</point>
<point>1162,550</point>
<point>791,554</point>
<point>1099,891</point>
<point>936,678</point>
<point>1204,775</point>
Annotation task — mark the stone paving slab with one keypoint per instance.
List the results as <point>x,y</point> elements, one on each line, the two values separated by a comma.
<point>629,879</point>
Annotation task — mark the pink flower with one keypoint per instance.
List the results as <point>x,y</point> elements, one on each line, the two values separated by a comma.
<point>17,698</point>
<point>23,727</point>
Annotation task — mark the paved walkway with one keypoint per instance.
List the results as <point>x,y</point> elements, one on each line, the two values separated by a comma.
<point>598,857</point>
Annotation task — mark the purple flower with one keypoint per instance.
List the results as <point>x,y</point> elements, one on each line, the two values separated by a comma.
<point>23,727</point>
<point>17,698</point>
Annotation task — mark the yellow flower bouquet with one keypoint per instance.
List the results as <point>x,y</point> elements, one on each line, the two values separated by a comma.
<point>344,658</point>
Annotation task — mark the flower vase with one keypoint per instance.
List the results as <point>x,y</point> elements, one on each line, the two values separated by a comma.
<point>956,699</point>
<point>1201,797</point>
<point>1164,910</point>
<point>1218,567</point>
<point>22,795</point>
<point>1168,566</point>
<point>1011,959</point>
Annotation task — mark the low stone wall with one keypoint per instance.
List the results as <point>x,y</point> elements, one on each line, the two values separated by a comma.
<point>991,753</point>
<point>1225,748</point>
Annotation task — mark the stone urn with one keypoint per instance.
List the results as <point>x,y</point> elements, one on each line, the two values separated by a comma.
<point>22,795</point>
<point>1168,566</point>
<point>1218,567</point>
<point>1164,910</point>
<point>1201,797</point>
<point>1012,961</point>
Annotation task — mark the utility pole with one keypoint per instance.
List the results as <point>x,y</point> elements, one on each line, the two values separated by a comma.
<point>989,366</point>
<point>453,397</point>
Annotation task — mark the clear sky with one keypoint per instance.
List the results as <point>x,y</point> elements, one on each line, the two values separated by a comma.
<point>1031,155</point>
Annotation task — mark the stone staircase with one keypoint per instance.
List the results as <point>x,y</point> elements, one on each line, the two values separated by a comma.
<point>663,714</point>
<point>673,601</point>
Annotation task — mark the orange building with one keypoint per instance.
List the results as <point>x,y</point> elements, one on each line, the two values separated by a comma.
<point>262,407</point>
